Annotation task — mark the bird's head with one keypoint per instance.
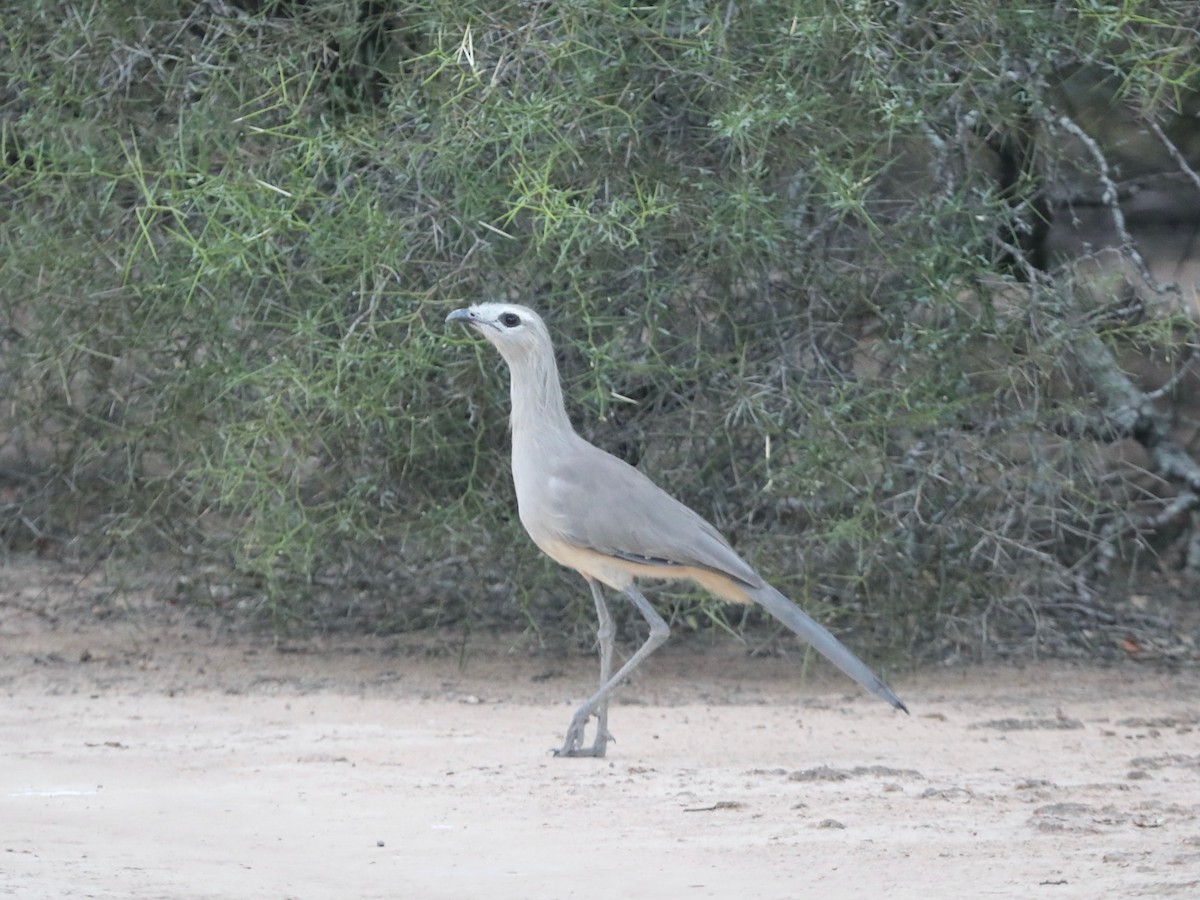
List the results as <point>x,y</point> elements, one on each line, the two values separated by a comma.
<point>517,331</point>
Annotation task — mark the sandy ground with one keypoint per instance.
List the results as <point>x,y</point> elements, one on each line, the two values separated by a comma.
<point>172,761</point>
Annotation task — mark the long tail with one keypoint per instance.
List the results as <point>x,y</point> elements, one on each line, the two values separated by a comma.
<point>822,641</point>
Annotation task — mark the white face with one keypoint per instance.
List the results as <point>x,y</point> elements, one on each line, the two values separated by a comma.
<point>512,328</point>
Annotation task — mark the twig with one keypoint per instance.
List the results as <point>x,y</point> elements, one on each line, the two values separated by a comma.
<point>1111,198</point>
<point>1171,149</point>
<point>1185,367</point>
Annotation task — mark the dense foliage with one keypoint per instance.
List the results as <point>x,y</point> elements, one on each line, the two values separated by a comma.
<point>800,259</point>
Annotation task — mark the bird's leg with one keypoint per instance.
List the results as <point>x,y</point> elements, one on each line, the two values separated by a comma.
<point>598,703</point>
<point>606,633</point>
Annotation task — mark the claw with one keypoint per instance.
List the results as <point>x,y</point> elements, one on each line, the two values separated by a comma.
<point>573,744</point>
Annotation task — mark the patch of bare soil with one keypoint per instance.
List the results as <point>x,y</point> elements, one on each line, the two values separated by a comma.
<point>175,760</point>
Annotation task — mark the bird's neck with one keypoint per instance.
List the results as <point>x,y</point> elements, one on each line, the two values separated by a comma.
<point>537,399</point>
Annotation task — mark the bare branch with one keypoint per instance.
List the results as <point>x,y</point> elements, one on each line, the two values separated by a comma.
<point>1169,146</point>
<point>1111,198</point>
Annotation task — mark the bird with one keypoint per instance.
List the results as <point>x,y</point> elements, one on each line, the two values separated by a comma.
<point>592,512</point>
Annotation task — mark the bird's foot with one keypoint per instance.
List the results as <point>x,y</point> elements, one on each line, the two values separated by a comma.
<point>573,744</point>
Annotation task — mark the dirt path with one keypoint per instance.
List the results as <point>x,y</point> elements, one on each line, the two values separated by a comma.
<point>172,763</point>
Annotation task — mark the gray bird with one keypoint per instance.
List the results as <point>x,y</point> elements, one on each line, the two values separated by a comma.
<point>593,513</point>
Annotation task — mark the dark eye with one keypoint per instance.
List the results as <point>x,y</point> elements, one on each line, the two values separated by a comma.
<point>510,320</point>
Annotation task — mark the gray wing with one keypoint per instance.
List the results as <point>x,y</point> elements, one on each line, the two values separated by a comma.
<point>605,504</point>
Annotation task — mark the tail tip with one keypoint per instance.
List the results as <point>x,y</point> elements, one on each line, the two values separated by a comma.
<point>889,696</point>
